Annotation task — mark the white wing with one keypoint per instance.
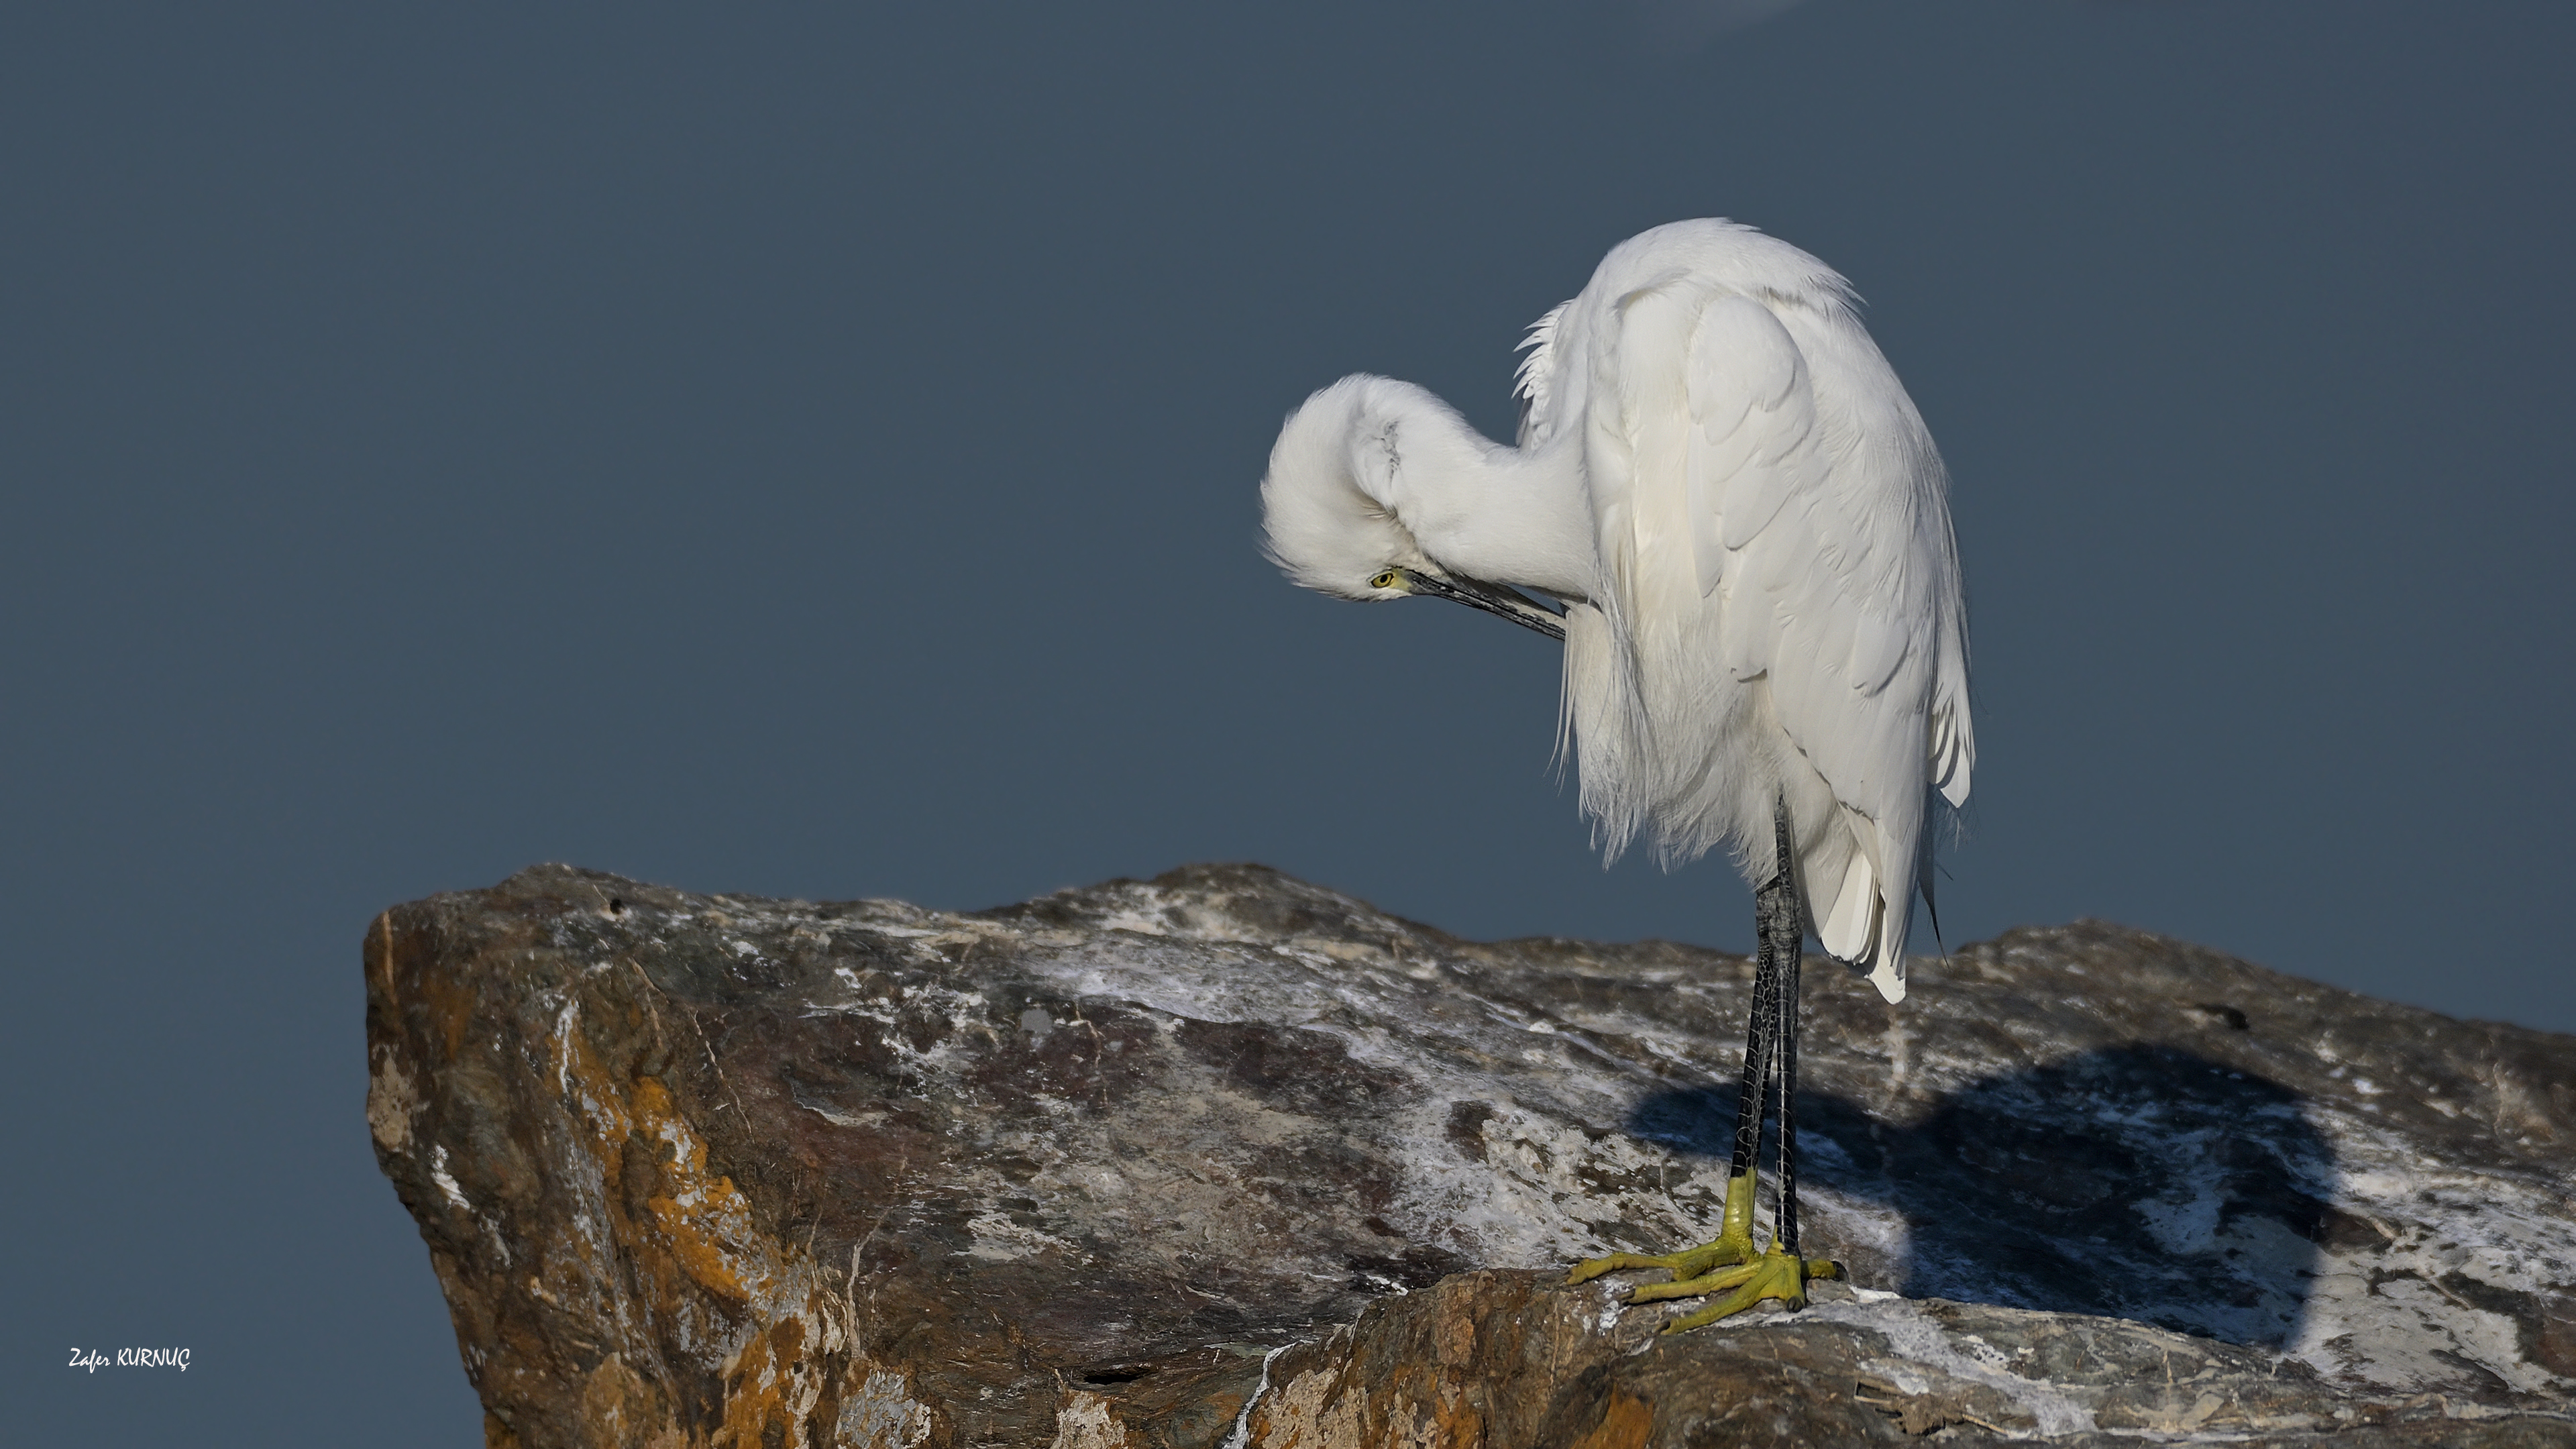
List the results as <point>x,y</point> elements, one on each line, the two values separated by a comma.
<point>1817,500</point>
<point>1780,475</point>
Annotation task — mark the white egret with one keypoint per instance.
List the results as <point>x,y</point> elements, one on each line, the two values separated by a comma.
<point>1738,509</point>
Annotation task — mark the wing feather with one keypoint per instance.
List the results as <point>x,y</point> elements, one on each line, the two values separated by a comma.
<point>1750,396</point>
<point>1829,542</point>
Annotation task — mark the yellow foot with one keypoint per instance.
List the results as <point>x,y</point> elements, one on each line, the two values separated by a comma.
<point>1734,1244</point>
<point>1690,1263</point>
<point>1776,1275</point>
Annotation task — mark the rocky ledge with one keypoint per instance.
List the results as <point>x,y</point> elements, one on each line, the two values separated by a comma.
<point>1227,1159</point>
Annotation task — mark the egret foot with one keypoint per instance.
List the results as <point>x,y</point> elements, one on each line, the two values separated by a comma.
<point>1688,1264</point>
<point>1776,1275</point>
<point>1733,1245</point>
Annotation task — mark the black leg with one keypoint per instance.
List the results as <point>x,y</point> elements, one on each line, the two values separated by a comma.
<point>1758,1032</point>
<point>1770,1055</point>
<point>1788,922</point>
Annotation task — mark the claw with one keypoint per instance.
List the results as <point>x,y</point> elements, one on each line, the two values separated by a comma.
<point>1775,1275</point>
<point>1699,1287</point>
<point>1728,1263</point>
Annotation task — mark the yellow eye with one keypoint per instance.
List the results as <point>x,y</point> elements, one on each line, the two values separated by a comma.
<point>1383,581</point>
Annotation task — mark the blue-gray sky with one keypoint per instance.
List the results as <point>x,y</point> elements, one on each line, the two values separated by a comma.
<point>813,452</point>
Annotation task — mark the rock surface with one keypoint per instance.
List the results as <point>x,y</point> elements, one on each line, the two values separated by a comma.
<point>1228,1159</point>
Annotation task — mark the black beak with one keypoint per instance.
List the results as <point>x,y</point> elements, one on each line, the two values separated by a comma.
<point>1496,599</point>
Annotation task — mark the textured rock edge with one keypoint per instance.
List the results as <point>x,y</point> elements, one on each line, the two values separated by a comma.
<point>801,1362</point>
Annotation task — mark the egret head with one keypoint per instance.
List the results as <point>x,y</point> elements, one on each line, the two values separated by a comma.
<point>1327,507</point>
<point>1330,506</point>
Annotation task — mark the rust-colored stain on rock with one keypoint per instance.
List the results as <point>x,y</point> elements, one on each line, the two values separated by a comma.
<point>1626,1423</point>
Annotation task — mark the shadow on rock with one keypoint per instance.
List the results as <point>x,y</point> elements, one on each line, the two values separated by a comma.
<point>2133,1182</point>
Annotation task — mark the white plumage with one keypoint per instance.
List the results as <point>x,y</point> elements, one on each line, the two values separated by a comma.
<point>1722,480</point>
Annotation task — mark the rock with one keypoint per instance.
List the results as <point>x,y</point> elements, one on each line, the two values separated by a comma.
<point>1514,1358</point>
<point>1224,1158</point>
